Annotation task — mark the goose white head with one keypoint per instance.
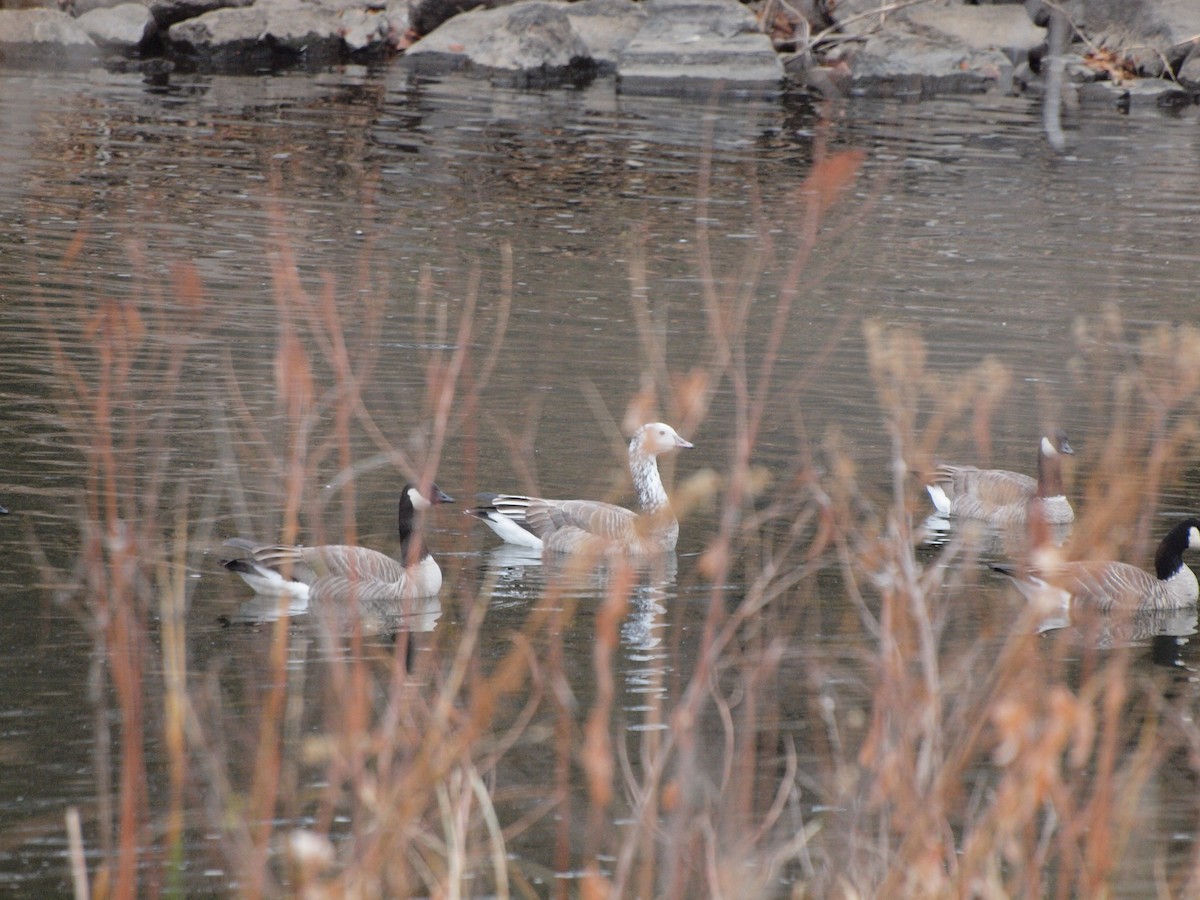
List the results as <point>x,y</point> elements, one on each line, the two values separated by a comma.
<point>1060,444</point>
<point>420,502</point>
<point>656,438</point>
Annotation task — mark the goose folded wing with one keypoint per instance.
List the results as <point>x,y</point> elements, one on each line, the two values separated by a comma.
<point>1108,586</point>
<point>350,563</point>
<point>285,560</point>
<point>592,517</point>
<point>995,487</point>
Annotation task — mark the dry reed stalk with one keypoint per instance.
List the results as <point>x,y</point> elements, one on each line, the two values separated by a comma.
<point>102,407</point>
<point>1066,758</point>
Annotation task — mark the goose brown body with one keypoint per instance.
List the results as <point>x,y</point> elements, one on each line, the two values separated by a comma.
<point>343,574</point>
<point>1108,586</point>
<point>1000,497</point>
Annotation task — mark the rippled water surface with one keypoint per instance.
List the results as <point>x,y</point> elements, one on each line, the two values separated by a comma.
<point>406,204</point>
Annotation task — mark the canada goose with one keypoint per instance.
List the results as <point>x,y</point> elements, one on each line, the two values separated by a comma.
<point>999,497</point>
<point>572,526</point>
<point>340,574</point>
<point>1108,586</point>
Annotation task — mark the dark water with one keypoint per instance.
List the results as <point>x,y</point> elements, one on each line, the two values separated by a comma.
<point>405,202</point>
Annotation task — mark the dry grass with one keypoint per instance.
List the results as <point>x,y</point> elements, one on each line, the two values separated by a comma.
<point>939,769</point>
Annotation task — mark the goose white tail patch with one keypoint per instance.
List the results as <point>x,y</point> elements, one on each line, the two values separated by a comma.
<point>510,532</point>
<point>270,583</point>
<point>941,501</point>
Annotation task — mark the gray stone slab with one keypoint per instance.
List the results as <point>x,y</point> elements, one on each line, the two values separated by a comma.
<point>699,45</point>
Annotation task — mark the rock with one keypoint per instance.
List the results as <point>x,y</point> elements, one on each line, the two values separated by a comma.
<point>693,45</point>
<point>266,34</point>
<point>939,47</point>
<point>365,29</point>
<point>399,22</point>
<point>43,37</point>
<point>427,15</point>
<point>606,26</point>
<point>898,63</point>
<point>1006,28</point>
<point>122,28</point>
<point>1189,72</point>
<point>1150,32</point>
<point>528,43</point>
<point>168,12</point>
<point>80,7</point>
<point>1140,93</point>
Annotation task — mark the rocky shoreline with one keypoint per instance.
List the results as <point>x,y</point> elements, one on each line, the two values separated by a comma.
<point>1119,51</point>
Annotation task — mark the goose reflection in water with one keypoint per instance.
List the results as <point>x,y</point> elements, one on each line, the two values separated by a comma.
<point>1161,628</point>
<point>520,575</point>
<point>419,614</point>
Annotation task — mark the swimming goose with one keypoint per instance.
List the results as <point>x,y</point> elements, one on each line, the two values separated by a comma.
<point>340,574</point>
<point>573,526</point>
<point>1108,586</point>
<point>999,497</point>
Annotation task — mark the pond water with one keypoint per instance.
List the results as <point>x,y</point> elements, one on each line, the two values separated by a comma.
<point>582,235</point>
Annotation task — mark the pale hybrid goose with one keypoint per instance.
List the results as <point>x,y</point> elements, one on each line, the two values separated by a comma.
<point>591,526</point>
<point>1108,586</point>
<point>1000,497</point>
<point>341,574</point>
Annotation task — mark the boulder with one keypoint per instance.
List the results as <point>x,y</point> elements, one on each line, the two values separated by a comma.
<point>606,26</point>
<point>900,63</point>
<point>686,46</point>
<point>937,47</point>
<point>262,35</point>
<point>528,43</point>
<point>122,28</point>
<point>44,37</point>
<point>168,12</point>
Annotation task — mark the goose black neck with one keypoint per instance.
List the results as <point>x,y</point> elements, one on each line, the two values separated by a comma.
<point>1168,559</point>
